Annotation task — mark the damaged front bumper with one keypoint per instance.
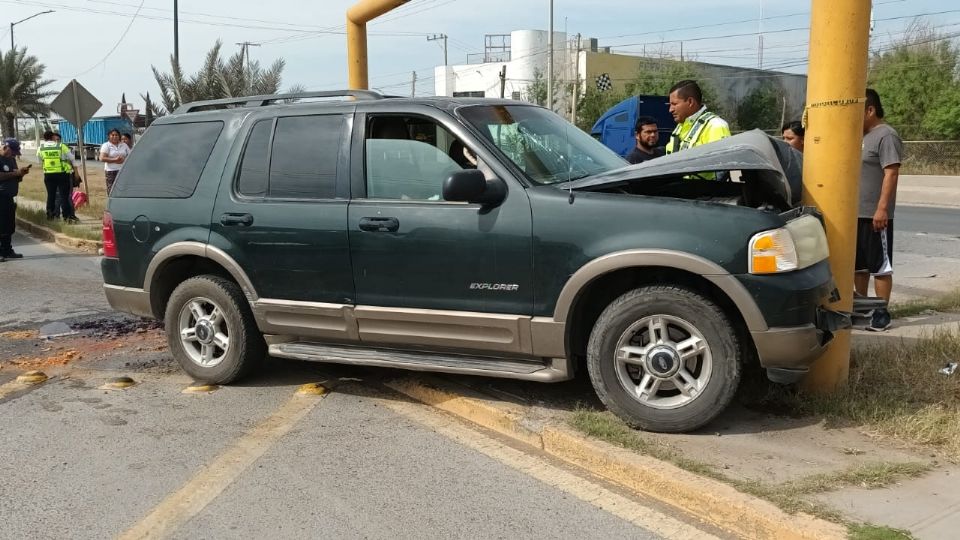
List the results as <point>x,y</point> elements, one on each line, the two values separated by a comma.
<point>788,352</point>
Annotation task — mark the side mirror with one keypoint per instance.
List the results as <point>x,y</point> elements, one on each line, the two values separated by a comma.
<point>471,186</point>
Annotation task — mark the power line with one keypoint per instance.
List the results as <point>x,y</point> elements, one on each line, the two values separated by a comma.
<point>115,45</point>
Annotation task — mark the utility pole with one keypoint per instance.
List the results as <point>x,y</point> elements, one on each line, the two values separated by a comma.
<point>550,62</point>
<point>503,80</point>
<point>413,85</point>
<point>837,78</point>
<point>760,39</point>
<point>437,37</point>
<point>176,34</point>
<point>576,83</point>
<point>245,53</point>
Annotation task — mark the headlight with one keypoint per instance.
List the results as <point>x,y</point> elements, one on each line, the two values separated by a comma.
<point>801,243</point>
<point>809,239</point>
<point>772,252</point>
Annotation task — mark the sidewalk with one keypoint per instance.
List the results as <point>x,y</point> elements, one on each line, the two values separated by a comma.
<point>841,471</point>
<point>929,190</point>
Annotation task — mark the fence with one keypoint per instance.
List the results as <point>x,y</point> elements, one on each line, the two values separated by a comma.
<point>931,157</point>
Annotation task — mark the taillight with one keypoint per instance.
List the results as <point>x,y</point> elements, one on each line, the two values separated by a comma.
<point>109,238</point>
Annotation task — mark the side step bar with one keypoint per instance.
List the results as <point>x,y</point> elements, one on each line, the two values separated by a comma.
<point>509,368</point>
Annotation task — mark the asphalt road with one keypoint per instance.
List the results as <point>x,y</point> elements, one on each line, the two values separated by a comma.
<point>928,219</point>
<point>926,251</point>
<point>254,459</point>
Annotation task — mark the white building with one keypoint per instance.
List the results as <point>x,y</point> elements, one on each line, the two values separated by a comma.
<point>523,53</point>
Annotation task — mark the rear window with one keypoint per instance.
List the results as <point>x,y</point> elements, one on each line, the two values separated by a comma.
<point>168,161</point>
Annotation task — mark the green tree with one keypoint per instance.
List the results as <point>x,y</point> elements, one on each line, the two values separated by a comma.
<point>218,78</point>
<point>594,103</point>
<point>23,90</point>
<point>761,108</point>
<point>657,75</point>
<point>917,79</point>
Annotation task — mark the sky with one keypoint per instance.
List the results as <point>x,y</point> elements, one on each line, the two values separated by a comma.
<point>109,46</point>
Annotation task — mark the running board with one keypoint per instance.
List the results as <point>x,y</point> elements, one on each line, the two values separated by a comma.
<point>553,370</point>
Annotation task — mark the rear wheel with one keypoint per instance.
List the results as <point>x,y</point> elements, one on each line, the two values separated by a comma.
<point>211,330</point>
<point>664,358</point>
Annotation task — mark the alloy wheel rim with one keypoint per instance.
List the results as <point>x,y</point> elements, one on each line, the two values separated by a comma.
<point>203,332</point>
<point>663,361</point>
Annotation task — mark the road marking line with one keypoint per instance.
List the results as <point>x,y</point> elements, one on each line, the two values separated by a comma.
<point>535,467</point>
<point>209,482</point>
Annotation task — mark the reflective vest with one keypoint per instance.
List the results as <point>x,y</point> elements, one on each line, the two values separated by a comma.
<point>50,154</point>
<point>701,129</point>
<point>67,166</point>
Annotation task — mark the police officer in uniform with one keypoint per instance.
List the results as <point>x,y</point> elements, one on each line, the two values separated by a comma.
<point>10,178</point>
<point>57,177</point>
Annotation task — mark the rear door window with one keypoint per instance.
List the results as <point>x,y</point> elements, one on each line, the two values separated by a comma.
<point>304,155</point>
<point>255,164</point>
<point>168,161</point>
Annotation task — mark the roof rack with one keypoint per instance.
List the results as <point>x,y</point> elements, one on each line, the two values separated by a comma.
<point>261,101</point>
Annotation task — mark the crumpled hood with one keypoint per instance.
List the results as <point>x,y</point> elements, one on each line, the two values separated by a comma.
<point>765,160</point>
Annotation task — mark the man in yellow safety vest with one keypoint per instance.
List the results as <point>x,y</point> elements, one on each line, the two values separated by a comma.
<point>57,160</point>
<point>695,124</point>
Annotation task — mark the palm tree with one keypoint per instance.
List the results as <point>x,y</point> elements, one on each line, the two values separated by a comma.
<point>23,89</point>
<point>218,79</point>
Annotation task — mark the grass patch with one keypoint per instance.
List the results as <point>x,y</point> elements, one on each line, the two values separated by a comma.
<point>39,217</point>
<point>789,496</point>
<point>895,389</point>
<point>32,188</point>
<point>873,532</point>
<point>607,427</point>
<point>947,302</point>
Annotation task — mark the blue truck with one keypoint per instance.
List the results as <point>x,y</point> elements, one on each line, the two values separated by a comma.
<point>616,126</point>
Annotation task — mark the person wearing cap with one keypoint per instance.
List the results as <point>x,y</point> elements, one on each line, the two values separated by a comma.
<point>57,177</point>
<point>10,177</point>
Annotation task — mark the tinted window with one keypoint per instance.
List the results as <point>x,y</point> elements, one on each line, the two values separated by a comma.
<point>168,161</point>
<point>407,170</point>
<point>252,179</point>
<point>303,163</point>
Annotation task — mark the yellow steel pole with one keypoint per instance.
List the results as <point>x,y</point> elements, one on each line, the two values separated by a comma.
<point>357,18</point>
<point>836,83</point>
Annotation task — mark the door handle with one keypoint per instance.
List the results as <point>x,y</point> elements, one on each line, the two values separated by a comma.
<point>379,224</point>
<point>244,220</point>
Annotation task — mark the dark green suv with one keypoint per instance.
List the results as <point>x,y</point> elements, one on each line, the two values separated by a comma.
<point>476,236</point>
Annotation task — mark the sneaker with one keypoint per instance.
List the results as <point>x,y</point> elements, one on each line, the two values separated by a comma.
<point>72,220</point>
<point>880,320</point>
<point>11,255</point>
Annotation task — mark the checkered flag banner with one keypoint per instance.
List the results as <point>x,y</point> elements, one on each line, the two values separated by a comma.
<point>603,82</point>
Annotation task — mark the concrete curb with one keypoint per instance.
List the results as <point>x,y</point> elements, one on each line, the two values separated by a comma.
<point>713,501</point>
<point>60,239</point>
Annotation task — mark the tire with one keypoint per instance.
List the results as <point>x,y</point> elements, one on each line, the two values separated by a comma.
<point>220,348</point>
<point>642,384</point>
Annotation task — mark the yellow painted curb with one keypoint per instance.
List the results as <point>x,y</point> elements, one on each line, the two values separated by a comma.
<point>200,389</point>
<point>32,377</point>
<point>713,501</point>
<point>312,389</point>
<point>119,383</point>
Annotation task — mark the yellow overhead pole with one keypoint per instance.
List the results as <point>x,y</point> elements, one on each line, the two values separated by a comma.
<point>357,18</point>
<point>836,84</point>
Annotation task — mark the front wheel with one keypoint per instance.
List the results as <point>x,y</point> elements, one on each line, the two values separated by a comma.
<point>211,331</point>
<point>664,358</point>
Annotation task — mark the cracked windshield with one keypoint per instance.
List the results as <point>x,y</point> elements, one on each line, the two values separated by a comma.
<point>547,149</point>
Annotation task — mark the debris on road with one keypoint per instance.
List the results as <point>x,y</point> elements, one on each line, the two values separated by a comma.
<point>113,328</point>
<point>949,369</point>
